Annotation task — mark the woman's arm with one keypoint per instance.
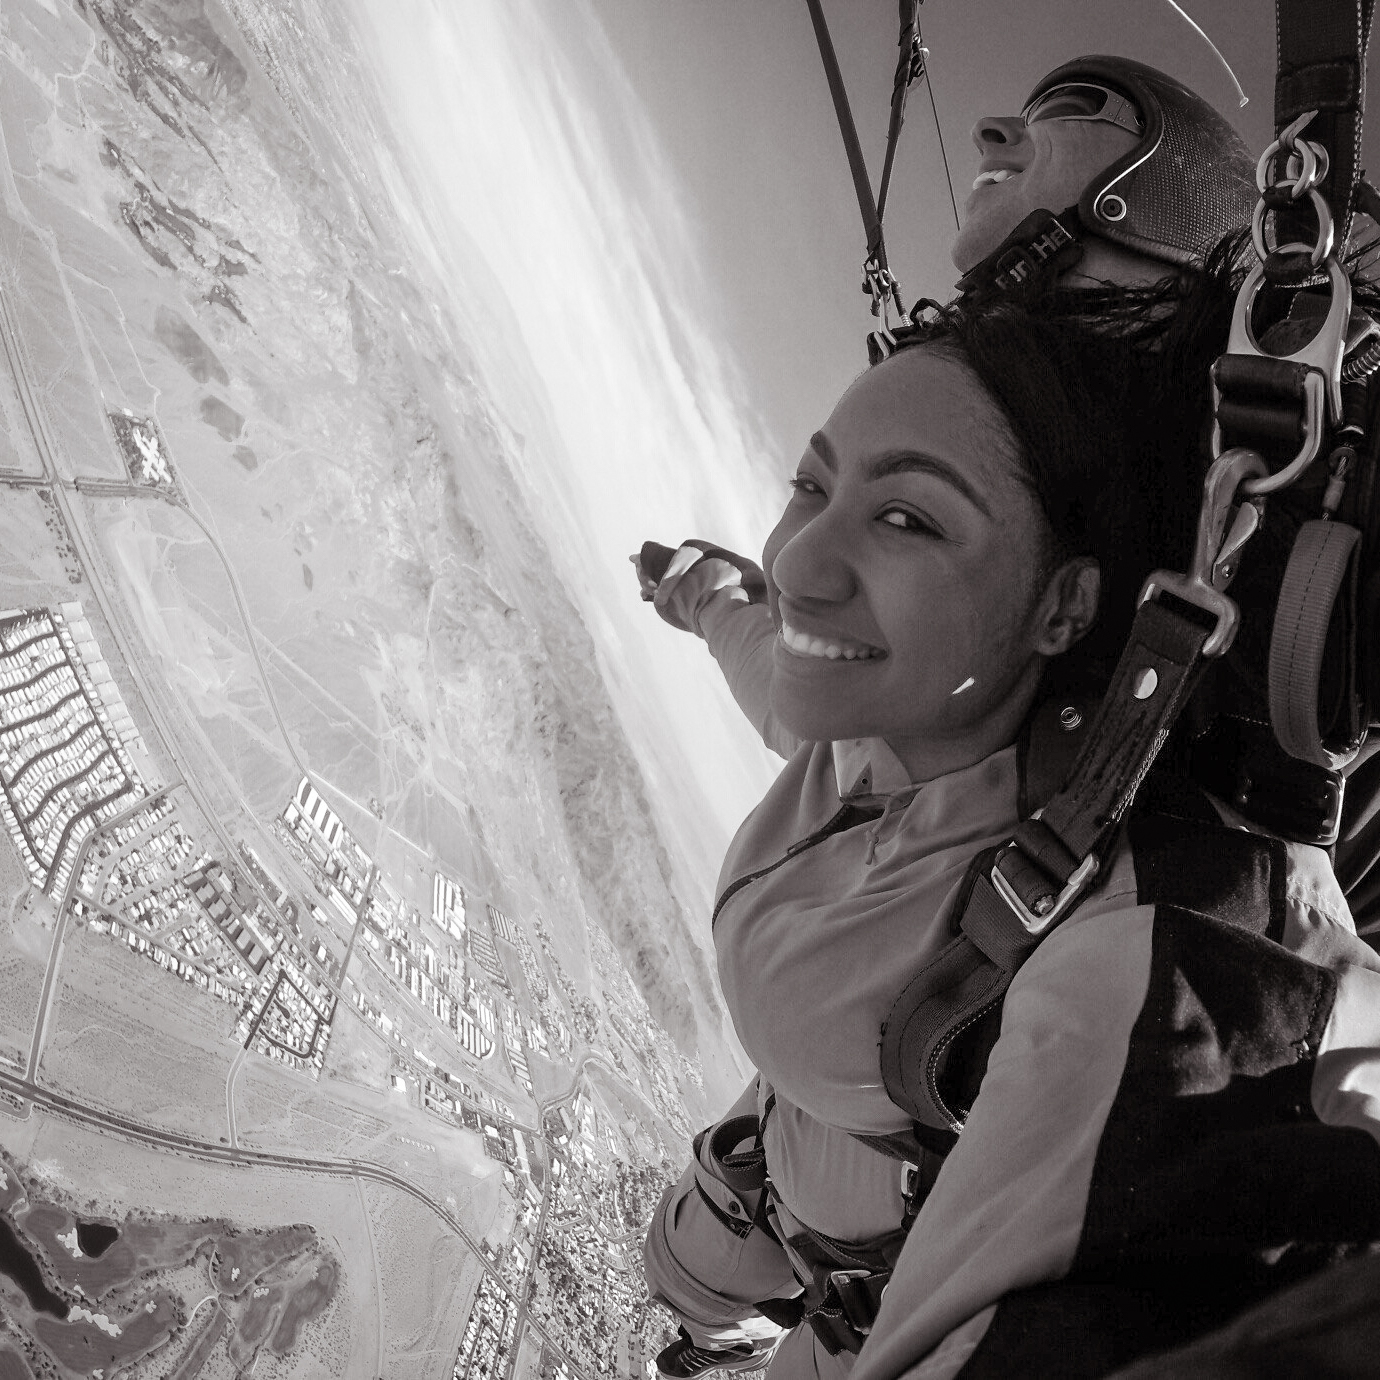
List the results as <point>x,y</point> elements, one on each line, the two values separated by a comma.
<point>721,598</point>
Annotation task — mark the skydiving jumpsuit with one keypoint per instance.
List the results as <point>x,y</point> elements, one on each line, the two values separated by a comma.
<point>812,954</point>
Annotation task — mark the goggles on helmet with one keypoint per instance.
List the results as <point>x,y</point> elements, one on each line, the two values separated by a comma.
<point>1186,183</point>
<point>1084,101</point>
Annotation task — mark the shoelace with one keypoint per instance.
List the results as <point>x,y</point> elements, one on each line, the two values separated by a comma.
<point>704,1359</point>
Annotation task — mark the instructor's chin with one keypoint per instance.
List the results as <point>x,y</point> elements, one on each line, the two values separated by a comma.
<point>968,251</point>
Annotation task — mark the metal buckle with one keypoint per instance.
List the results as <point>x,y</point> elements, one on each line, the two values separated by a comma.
<point>1323,357</point>
<point>882,287</point>
<point>910,1176</point>
<point>1037,924</point>
<point>841,1280</point>
<point>1216,547</point>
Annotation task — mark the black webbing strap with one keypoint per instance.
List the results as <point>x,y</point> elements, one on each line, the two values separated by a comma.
<point>744,1171</point>
<point>1155,676</point>
<point>1321,577</point>
<point>1015,895</point>
<point>910,66</point>
<point>857,164</point>
<point>1322,67</point>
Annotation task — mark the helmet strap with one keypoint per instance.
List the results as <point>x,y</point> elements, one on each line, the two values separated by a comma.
<point>1042,244</point>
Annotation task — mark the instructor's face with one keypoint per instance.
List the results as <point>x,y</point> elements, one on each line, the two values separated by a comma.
<point>1045,165</point>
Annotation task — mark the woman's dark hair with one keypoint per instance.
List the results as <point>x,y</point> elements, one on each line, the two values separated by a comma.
<point>1107,394</point>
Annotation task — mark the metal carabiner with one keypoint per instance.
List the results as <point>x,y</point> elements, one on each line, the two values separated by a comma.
<point>1221,535</point>
<point>1323,358</point>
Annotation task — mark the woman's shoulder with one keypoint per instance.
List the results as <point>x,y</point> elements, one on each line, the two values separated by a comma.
<point>1215,864</point>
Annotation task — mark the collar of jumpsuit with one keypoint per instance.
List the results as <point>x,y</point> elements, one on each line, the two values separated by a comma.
<point>867,771</point>
<point>842,918</point>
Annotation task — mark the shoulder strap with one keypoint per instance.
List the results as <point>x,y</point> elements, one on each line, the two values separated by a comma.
<point>1322,67</point>
<point>938,1035</point>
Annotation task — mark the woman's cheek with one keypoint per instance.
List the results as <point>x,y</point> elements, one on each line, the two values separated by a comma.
<point>969,640</point>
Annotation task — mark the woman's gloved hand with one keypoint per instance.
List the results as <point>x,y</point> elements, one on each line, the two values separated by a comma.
<point>680,582</point>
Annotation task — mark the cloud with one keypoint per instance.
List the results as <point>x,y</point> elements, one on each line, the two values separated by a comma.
<point>548,209</point>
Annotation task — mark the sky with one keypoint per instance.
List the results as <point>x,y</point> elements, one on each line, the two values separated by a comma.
<point>650,202</point>
<point>736,94</point>
<point>554,227</point>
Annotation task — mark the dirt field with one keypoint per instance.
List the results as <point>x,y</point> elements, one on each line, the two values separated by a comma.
<point>424,1274</point>
<point>127,1036</point>
<point>25,936</point>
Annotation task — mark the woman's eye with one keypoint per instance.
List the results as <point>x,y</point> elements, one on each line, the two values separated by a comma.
<point>908,521</point>
<point>803,484</point>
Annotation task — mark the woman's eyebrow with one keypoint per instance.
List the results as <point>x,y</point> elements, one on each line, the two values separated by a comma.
<point>819,443</point>
<point>916,462</point>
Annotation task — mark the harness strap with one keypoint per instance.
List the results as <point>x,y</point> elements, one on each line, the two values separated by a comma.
<point>1240,761</point>
<point>1012,898</point>
<point>1322,558</point>
<point>1322,67</point>
<point>1042,243</point>
<point>744,1171</point>
<point>1157,672</point>
<point>844,1282</point>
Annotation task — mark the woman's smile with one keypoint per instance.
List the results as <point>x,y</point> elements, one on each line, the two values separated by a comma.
<point>829,646</point>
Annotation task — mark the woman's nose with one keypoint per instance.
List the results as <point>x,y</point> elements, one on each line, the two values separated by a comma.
<point>814,564</point>
<point>995,131</point>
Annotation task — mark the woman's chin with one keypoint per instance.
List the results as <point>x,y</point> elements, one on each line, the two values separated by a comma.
<point>818,699</point>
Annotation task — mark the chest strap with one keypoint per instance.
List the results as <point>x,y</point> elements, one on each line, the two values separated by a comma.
<point>1015,895</point>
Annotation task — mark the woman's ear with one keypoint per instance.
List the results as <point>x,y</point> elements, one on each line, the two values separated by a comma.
<point>1069,606</point>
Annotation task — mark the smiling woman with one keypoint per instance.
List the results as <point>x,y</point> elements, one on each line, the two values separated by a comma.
<point>911,573</point>
<point>964,539</point>
<point>957,565</point>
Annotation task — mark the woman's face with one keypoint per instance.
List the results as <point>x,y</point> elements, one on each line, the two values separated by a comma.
<point>905,574</point>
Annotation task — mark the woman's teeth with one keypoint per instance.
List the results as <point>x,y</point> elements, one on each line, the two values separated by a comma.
<point>994,175</point>
<point>805,645</point>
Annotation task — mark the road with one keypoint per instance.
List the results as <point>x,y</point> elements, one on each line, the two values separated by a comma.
<point>524,1293</point>
<point>58,1104</point>
<point>45,1000</point>
<point>233,1130</point>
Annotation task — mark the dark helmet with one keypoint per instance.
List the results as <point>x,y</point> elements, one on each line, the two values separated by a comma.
<point>1186,184</point>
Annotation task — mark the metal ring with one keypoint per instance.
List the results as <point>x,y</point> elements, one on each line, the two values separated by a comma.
<point>1317,252</point>
<point>1307,178</point>
<point>1105,208</point>
<point>1324,162</point>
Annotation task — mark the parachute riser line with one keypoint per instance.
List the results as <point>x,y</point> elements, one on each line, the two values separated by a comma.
<point>877,279</point>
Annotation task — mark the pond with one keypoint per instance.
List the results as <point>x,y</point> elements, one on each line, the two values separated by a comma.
<point>20,1266</point>
<point>95,1238</point>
